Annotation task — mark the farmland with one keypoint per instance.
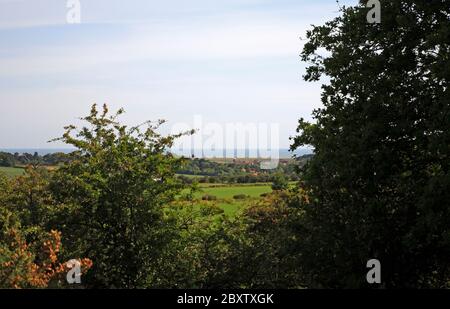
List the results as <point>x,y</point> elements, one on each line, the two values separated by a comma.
<point>11,171</point>
<point>227,192</point>
<point>224,193</point>
<point>224,196</point>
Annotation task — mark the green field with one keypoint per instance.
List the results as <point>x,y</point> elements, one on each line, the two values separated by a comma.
<point>11,171</point>
<point>223,192</point>
<point>191,176</point>
<point>231,209</point>
<point>227,192</point>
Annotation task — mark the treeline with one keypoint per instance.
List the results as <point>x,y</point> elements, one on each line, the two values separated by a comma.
<point>120,211</point>
<point>23,159</point>
<point>160,246</point>
<point>240,171</point>
<point>206,171</point>
<point>241,179</point>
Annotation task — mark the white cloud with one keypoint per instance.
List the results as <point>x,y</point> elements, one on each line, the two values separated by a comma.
<point>103,68</point>
<point>228,39</point>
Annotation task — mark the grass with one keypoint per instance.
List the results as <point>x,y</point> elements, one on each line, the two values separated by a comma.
<point>12,171</point>
<point>224,194</point>
<point>191,176</point>
<point>216,185</point>
<point>227,192</point>
<point>231,209</point>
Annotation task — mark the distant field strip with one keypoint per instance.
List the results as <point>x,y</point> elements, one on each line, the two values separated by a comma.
<point>227,192</point>
<point>12,171</point>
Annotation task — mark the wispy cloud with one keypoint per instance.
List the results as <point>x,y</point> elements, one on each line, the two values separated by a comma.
<point>233,60</point>
<point>234,39</point>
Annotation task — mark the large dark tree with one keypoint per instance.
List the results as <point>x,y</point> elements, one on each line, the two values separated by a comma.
<point>379,182</point>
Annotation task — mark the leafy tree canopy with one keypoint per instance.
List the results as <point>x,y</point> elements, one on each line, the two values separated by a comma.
<point>379,180</point>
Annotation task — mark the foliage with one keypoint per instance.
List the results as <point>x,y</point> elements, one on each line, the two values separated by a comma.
<point>228,191</point>
<point>208,197</point>
<point>378,179</point>
<point>240,196</point>
<point>111,198</point>
<point>279,182</point>
<point>239,171</point>
<point>24,159</point>
<point>6,160</point>
<point>30,265</point>
<point>32,201</point>
<point>253,250</point>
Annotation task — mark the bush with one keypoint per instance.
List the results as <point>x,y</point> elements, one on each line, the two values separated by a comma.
<point>116,186</point>
<point>210,210</point>
<point>240,197</point>
<point>378,182</point>
<point>208,197</point>
<point>279,182</point>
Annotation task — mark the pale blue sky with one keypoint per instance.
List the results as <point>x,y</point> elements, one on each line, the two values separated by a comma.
<point>226,60</point>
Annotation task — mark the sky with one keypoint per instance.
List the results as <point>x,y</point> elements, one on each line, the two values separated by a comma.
<point>226,61</point>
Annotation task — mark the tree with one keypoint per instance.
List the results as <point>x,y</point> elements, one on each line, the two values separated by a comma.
<point>279,182</point>
<point>6,159</point>
<point>377,182</point>
<point>251,250</point>
<point>29,253</point>
<point>31,200</point>
<point>31,265</point>
<point>112,196</point>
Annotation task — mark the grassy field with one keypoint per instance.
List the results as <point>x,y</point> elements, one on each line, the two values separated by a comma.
<point>11,171</point>
<point>191,176</point>
<point>227,192</point>
<point>231,209</point>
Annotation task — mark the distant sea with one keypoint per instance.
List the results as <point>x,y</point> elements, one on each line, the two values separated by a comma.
<point>283,153</point>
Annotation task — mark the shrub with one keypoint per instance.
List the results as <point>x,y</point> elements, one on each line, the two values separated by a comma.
<point>208,197</point>
<point>240,197</point>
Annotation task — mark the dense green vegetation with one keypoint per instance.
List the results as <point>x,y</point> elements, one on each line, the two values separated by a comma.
<point>379,179</point>
<point>202,170</point>
<point>23,159</point>
<point>376,187</point>
<point>240,170</point>
<point>119,207</point>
